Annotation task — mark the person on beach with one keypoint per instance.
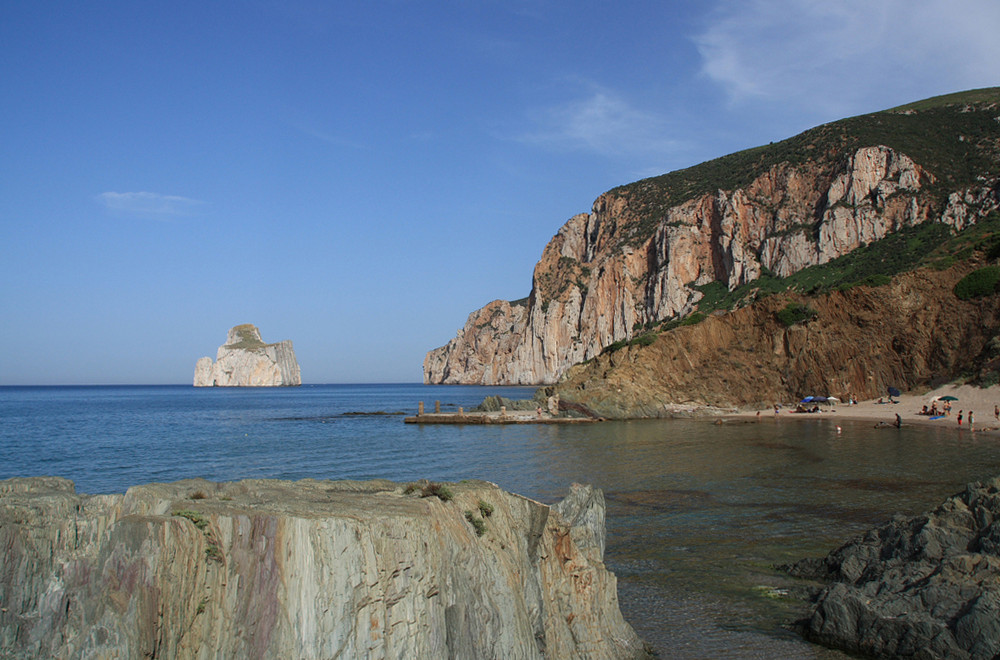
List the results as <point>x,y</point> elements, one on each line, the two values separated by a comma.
<point>960,417</point>
<point>899,421</point>
<point>996,413</point>
<point>971,421</point>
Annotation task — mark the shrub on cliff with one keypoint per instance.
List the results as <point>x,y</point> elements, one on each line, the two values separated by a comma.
<point>794,313</point>
<point>978,283</point>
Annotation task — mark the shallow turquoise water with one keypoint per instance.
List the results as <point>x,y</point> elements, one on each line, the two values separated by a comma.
<point>698,514</point>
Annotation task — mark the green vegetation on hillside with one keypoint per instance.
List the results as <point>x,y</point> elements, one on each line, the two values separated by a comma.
<point>983,95</point>
<point>978,283</point>
<point>793,313</point>
<point>954,137</point>
<point>248,341</point>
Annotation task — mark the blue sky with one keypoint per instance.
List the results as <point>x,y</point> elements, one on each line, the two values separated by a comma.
<point>359,176</point>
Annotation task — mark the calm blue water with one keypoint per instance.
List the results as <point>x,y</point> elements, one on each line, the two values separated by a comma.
<point>698,514</point>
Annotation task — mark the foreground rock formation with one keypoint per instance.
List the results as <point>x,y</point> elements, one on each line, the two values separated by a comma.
<point>246,361</point>
<point>922,587</point>
<point>909,334</point>
<point>643,252</point>
<point>310,569</point>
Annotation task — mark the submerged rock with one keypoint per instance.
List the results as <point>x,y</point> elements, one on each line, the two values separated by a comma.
<point>921,587</point>
<point>307,569</point>
<point>246,361</point>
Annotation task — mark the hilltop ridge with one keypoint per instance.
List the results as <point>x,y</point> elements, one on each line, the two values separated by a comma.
<point>668,250</point>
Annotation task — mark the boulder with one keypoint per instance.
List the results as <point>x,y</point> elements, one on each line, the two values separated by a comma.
<point>307,569</point>
<point>921,587</point>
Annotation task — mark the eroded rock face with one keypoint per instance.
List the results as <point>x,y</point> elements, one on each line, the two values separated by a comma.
<point>310,569</point>
<point>246,361</point>
<point>594,285</point>
<point>922,587</point>
<point>907,334</point>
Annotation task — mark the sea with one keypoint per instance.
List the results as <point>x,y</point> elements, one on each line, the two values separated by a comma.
<point>700,516</point>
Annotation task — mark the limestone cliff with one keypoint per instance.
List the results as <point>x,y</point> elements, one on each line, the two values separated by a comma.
<point>246,361</point>
<point>641,256</point>
<point>910,333</point>
<point>310,569</point>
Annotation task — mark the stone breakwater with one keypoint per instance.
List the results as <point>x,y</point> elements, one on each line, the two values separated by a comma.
<point>246,361</point>
<point>920,587</point>
<point>308,569</point>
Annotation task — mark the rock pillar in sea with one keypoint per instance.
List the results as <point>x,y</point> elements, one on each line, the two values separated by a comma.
<point>246,361</point>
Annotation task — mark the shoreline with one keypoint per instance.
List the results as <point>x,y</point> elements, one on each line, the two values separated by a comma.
<point>980,400</point>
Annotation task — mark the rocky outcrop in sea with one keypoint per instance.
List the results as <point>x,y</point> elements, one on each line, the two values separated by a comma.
<point>920,587</point>
<point>246,361</point>
<point>307,569</point>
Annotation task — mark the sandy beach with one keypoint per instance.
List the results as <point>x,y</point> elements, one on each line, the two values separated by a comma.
<point>979,401</point>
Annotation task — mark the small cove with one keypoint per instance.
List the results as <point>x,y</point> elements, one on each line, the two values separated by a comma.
<point>698,514</point>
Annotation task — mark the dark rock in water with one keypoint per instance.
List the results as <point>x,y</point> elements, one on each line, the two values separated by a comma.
<point>921,587</point>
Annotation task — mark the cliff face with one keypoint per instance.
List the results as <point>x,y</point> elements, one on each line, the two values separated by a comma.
<point>644,252</point>
<point>594,285</point>
<point>246,361</point>
<point>910,333</point>
<point>308,569</point>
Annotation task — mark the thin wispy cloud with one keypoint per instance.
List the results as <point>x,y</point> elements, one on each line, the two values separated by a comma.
<point>601,121</point>
<point>330,138</point>
<point>148,204</point>
<point>841,57</point>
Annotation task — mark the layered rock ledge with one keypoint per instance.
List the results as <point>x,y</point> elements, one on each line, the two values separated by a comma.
<point>308,569</point>
<point>246,361</point>
<point>920,587</point>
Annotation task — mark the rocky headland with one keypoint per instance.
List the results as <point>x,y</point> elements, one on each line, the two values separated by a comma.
<point>246,361</point>
<point>912,333</point>
<point>920,587</point>
<point>307,569</point>
<point>709,241</point>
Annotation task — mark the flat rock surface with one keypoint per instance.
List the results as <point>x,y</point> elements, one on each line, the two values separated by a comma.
<point>307,569</point>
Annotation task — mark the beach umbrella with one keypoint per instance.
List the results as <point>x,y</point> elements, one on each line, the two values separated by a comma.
<point>820,399</point>
<point>832,399</point>
<point>948,398</point>
<point>893,391</point>
<point>808,399</point>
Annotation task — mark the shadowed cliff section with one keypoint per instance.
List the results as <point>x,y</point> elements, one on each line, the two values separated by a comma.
<point>910,333</point>
<point>307,569</point>
<point>650,253</point>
